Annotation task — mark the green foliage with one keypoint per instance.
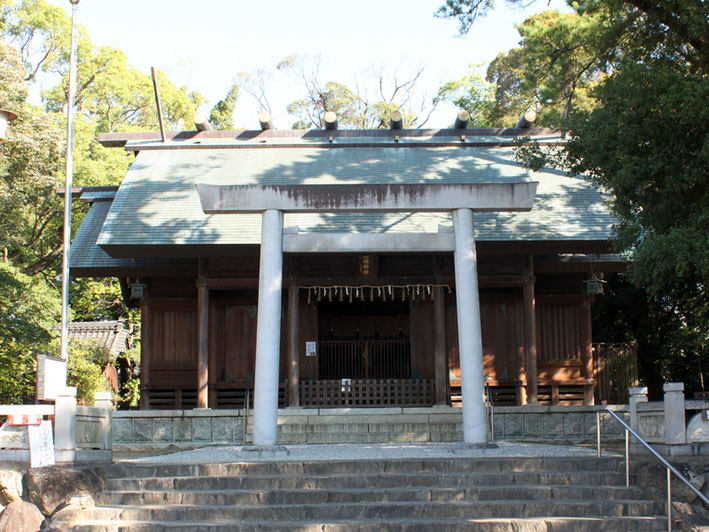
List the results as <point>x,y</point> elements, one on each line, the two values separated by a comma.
<point>130,391</point>
<point>671,349</point>
<point>472,93</point>
<point>468,11</point>
<point>560,58</point>
<point>647,145</point>
<point>85,370</point>
<point>111,96</point>
<point>100,299</point>
<point>28,313</point>
<point>629,82</point>
<point>222,114</point>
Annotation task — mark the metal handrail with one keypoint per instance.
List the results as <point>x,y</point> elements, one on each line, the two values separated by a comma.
<point>491,409</point>
<point>670,468</point>
<point>245,417</point>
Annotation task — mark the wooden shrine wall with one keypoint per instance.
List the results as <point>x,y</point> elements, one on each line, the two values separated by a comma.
<point>562,326</point>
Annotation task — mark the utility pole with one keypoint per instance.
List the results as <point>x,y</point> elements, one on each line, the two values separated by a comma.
<point>64,346</point>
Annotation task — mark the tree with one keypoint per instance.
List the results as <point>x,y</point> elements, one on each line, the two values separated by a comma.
<point>643,138</point>
<point>85,370</point>
<point>111,96</point>
<point>28,312</point>
<point>354,107</point>
<point>472,93</point>
<point>560,58</point>
<point>468,11</point>
<point>222,115</point>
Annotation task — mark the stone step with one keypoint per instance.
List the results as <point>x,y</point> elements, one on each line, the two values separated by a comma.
<point>319,496</point>
<point>369,437</point>
<point>481,494</point>
<point>423,465</point>
<point>562,524</point>
<point>381,510</point>
<point>378,480</point>
<point>388,427</point>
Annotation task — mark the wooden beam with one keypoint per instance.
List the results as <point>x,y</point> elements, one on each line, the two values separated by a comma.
<point>440,358</point>
<point>265,120</point>
<point>226,284</point>
<point>293,346</point>
<point>330,121</point>
<point>203,337</point>
<point>396,121</point>
<point>530,336</point>
<point>525,121</point>
<point>367,242</point>
<point>461,119</point>
<point>119,140</point>
<point>201,123</point>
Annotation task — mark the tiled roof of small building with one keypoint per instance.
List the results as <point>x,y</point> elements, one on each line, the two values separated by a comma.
<point>111,335</point>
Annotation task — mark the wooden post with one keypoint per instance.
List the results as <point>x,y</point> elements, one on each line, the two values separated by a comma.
<point>145,345</point>
<point>530,335</point>
<point>212,367</point>
<point>203,337</point>
<point>440,358</point>
<point>587,351</point>
<point>293,346</point>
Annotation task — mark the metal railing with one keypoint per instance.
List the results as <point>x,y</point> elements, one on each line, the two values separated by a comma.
<point>670,468</point>
<point>490,409</point>
<point>245,417</point>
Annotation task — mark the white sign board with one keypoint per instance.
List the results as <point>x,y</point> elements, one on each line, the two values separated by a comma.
<point>51,377</point>
<point>311,349</point>
<point>41,444</point>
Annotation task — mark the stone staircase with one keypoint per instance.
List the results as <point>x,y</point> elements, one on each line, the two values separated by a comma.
<point>442,494</point>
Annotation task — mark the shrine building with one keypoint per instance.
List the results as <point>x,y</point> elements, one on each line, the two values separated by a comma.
<point>351,268</point>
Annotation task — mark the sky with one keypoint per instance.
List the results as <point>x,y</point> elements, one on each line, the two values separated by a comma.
<point>204,45</point>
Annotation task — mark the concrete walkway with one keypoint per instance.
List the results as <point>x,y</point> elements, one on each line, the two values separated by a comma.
<point>346,451</point>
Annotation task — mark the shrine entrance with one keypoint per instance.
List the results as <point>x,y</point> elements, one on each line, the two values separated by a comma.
<point>364,357</point>
<point>364,340</point>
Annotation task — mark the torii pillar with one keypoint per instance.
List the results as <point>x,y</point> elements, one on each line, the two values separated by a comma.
<point>273,201</point>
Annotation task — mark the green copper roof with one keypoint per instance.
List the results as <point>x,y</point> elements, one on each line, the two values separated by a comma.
<point>157,204</point>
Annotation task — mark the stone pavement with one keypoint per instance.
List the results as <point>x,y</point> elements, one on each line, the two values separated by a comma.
<point>345,451</point>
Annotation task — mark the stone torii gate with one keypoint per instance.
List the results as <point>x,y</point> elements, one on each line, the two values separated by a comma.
<point>273,200</point>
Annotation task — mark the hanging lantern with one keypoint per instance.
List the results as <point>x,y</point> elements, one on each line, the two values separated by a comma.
<point>594,286</point>
<point>137,290</point>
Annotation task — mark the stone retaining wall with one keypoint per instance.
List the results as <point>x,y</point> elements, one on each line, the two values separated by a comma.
<point>155,429</point>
